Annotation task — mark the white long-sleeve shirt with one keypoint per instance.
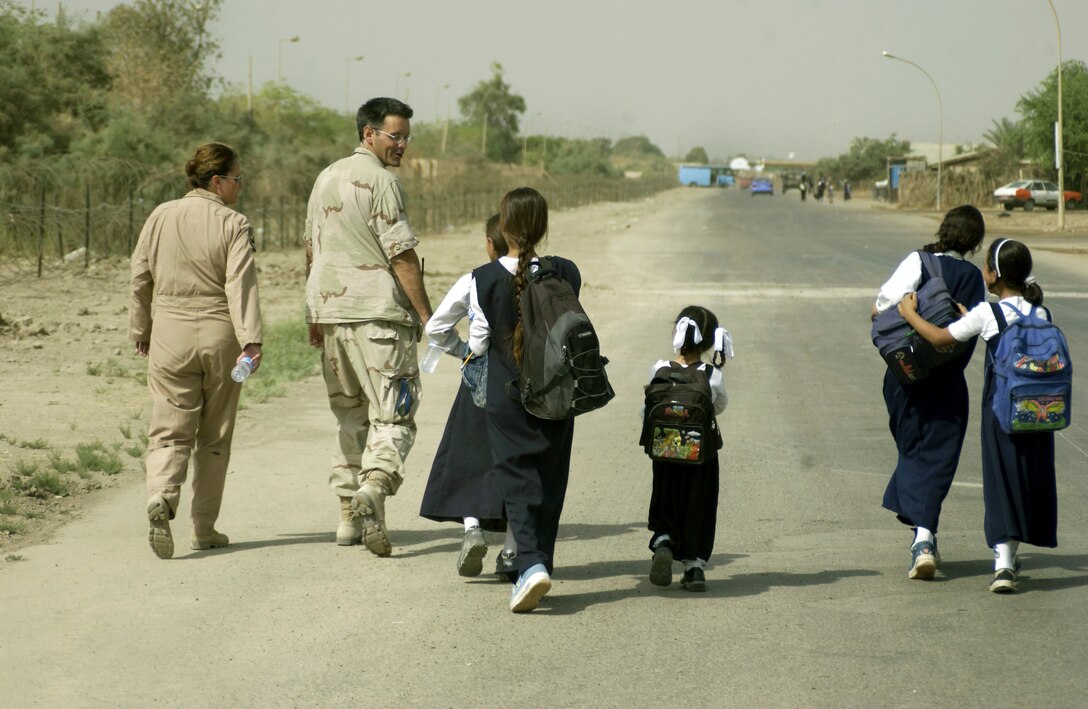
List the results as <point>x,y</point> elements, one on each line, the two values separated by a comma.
<point>442,327</point>
<point>904,280</point>
<point>479,329</point>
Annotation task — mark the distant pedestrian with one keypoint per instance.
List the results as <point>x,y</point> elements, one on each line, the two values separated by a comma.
<point>804,189</point>
<point>462,485</point>
<point>928,418</point>
<point>830,193</point>
<point>366,306</point>
<point>846,191</point>
<point>820,187</point>
<point>684,499</point>
<point>1019,490</point>
<point>531,455</point>
<point>194,258</point>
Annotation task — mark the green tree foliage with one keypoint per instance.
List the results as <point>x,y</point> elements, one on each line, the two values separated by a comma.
<point>493,102</point>
<point>1009,140</point>
<point>866,160</point>
<point>697,155</point>
<point>1039,109</point>
<point>584,157</point>
<point>637,154</point>
<point>52,83</point>
<point>159,50</point>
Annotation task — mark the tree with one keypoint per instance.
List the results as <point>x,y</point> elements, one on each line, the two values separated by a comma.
<point>1039,109</point>
<point>584,157</point>
<point>697,154</point>
<point>866,160</point>
<point>1009,143</point>
<point>492,103</point>
<point>53,82</point>
<point>159,50</point>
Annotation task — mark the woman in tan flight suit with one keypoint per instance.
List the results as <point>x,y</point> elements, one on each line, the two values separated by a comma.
<point>195,254</point>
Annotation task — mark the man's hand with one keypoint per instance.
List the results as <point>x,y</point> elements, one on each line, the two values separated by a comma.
<point>253,351</point>
<point>317,337</point>
<point>142,348</point>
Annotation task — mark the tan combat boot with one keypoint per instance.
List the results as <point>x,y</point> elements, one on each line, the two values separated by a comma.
<point>158,515</point>
<point>350,530</point>
<point>209,539</point>
<point>368,506</point>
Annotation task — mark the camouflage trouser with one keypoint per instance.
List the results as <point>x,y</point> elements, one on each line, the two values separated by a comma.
<point>373,383</point>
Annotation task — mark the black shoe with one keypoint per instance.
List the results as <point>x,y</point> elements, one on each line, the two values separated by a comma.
<point>694,580</point>
<point>506,565</point>
<point>661,566</point>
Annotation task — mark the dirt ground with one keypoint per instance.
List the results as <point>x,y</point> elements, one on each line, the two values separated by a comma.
<point>70,379</point>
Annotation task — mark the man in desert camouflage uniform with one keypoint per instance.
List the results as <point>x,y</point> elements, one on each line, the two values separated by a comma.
<point>366,305</point>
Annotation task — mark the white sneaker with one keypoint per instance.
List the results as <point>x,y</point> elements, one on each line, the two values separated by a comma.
<point>530,588</point>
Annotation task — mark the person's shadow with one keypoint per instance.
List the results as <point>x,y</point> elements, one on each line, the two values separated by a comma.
<point>405,542</point>
<point>281,540</point>
<point>1032,562</point>
<point>723,585</point>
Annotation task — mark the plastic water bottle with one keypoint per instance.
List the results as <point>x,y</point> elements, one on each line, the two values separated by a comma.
<point>430,360</point>
<point>242,370</point>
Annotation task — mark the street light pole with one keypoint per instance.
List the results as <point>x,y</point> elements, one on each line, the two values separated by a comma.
<point>279,63</point>
<point>1059,146</point>
<point>396,90</point>
<point>347,81</point>
<point>940,121</point>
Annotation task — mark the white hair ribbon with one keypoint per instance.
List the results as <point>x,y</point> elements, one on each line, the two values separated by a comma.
<point>723,342</point>
<point>681,333</point>
<point>1029,280</point>
<point>997,257</point>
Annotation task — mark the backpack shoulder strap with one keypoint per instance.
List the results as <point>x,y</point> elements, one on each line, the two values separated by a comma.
<point>931,264</point>
<point>999,315</point>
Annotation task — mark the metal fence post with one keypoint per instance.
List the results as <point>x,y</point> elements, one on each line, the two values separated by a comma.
<point>87,231</point>
<point>41,230</point>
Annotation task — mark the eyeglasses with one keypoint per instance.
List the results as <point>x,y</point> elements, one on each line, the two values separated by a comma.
<point>237,180</point>
<point>398,139</point>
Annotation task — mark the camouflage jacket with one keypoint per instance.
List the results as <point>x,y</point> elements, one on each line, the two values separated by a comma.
<point>356,211</point>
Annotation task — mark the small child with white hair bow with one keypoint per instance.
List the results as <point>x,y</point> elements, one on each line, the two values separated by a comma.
<point>684,500</point>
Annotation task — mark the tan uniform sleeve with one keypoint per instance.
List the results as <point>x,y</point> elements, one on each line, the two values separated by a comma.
<point>142,286</point>
<point>390,222</point>
<point>241,286</point>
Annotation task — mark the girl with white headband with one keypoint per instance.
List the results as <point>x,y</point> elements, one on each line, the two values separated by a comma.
<point>1018,481</point>
<point>684,500</point>
<point>928,419</point>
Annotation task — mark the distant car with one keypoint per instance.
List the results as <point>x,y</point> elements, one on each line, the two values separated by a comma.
<point>762,185</point>
<point>1031,193</point>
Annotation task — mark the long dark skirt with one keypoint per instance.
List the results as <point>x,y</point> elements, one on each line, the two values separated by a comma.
<point>928,420</point>
<point>462,482</point>
<point>684,505</point>
<point>1018,481</point>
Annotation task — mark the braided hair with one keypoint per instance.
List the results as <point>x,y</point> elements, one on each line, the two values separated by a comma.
<point>523,220</point>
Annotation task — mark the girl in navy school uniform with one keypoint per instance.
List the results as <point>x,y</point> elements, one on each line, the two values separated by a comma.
<point>462,486</point>
<point>531,456</point>
<point>1018,480</point>
<point>684,501</point>
<point>928,419</point>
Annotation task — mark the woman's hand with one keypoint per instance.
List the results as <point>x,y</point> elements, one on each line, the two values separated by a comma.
<point>909,304</point>
<point>253,351</point>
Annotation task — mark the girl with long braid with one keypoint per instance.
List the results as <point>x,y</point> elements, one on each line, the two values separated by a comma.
<point>531,455</point>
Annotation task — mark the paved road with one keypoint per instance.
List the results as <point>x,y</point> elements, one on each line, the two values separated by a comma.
<point>808,602</point>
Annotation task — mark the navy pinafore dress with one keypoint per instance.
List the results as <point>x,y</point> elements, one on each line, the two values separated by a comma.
<point>928,419</point>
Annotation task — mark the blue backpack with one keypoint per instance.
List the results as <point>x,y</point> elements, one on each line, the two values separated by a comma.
<point>1033,374</point>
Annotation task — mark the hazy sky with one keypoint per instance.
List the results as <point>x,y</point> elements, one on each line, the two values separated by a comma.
<point>763,77</point>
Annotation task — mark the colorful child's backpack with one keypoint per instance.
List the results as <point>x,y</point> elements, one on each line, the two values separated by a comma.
<point>679,425</point>
<point>1033,374</point>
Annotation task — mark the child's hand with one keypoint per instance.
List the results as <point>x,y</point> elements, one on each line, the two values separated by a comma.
<point>962,309</point>
<point>909,304</point>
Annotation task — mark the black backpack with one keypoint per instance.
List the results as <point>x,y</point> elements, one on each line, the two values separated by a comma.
<point>562,371</point>
<point>679,422</point>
